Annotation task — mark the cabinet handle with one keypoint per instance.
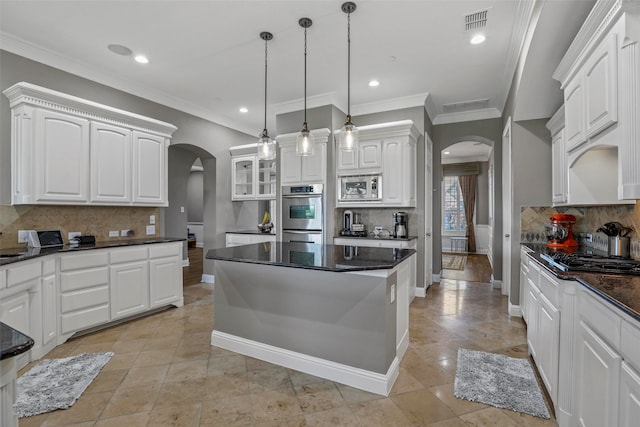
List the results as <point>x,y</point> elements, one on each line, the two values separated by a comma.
<point>428,234</point>
<point>507,235</point>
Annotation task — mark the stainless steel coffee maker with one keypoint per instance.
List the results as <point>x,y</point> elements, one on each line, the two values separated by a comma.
<point>400,225</point>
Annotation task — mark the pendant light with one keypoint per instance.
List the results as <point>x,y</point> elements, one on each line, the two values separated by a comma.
<point>266,145</point>
<point>348,137</point>
<point>304,142</point>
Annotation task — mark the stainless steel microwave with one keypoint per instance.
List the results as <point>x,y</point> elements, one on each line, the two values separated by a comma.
<point>360,188</point>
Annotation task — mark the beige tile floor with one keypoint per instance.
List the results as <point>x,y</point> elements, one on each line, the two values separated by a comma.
<point>165,372</point>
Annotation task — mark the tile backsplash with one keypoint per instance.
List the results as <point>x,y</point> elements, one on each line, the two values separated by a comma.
<point>95,220</point>
<point>588,220</point>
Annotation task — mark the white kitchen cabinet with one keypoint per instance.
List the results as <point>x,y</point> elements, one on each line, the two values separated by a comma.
<point>556,126</point>
<point>629,396</point>
<point>60,158</point>
<point>366,159</point>
<point>266,179</point>
<point>111,153</point>
<point>601,87</point>
<point>243,169</point>
<point>49,304</point>
<point>165,274</point>
<point>15,312</point>
<point>128,282</point>
<point>533,310</point>
<point>239,239</point>
<point>399,173</point>
<point>296,169</point>
<point>67,150</point>
<point>548,354</point>
<point>574,113</point>
<point>84,291</point>
<point>150,169</point>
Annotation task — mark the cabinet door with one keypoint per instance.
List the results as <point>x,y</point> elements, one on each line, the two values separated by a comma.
<point>559,168</point>
<point>533,305</point>
<point>243,179</point>
<point>61,158</point>
<point>14,312</point>
<point>597,373</point>
<point>290,172</point>
<point>129,289</point>
<point>548,352</point>
<point>314,167</point>
<point>524,291</point>
<point>629,396</point>
<point>49,309</point>
<point>266,175</point>
<point>110,164</point>
<point>392,174</point>
<point>574,113</point>
<point>601,87</point>
<point>347,160</point>
<point>165,280</point>
<point>370,154</point>
<point>149,169</point>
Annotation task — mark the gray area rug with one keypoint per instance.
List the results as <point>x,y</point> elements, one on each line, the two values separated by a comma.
<point>56,383</point>
<point>498,380</point>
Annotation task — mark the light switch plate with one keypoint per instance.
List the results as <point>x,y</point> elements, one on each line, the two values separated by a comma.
<point>151,229</point>
<point>152,219</point>
<point>114,233</point>
<point>73,234</point>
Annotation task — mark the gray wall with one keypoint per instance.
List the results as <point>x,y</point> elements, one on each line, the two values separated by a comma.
<point>208,140</point>
<point>449,134</point>
<point>195,190</point>
<point>482,195</point>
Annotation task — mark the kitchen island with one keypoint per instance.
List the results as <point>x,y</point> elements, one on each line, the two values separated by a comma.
<point>336,312</point>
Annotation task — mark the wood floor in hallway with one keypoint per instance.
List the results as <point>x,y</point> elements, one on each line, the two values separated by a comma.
<point>476,269</point>
<point>166,373</point>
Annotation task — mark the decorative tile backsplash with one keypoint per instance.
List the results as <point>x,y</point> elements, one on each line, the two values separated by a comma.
<point>95,220</point>
<point>588,220</point>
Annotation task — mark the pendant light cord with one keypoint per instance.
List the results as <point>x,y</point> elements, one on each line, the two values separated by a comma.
<point>265,86</point>
<point>349,64</point>
<point>305,75</point>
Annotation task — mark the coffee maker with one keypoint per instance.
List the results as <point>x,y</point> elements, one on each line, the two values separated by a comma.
<point>400,225</point>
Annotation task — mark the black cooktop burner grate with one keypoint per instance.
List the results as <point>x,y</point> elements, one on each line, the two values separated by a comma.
<point>592,263</point>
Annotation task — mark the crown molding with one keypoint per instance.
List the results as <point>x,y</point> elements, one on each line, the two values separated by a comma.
<point>314,101</point>
<point>556,122</point>
<point>467,116</point>
<point>417,100</point>
<point>319,136</point>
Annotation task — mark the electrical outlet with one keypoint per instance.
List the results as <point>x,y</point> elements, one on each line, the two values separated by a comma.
<point>588,237</point>
<point>23,236</point>
<point>124,233</point>
<point>113,233</point>
<point>73,234</point>
<point>151,229</point>
<point>152,219</point>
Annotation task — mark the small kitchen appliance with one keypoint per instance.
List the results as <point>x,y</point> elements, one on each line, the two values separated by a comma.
<point>559,232</point>
<point>400,225</point>
<point>352,226</point>
<point>360,188</point>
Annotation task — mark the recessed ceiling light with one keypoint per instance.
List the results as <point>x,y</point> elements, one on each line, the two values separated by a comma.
<point>447,152</point>
<point>244,110</point>
<point>374,83</point>
<point>119,49</point>
<point>141,59</point>
<point>478,38</point>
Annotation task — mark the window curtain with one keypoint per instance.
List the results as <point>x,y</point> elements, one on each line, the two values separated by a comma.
<point>468,185</point>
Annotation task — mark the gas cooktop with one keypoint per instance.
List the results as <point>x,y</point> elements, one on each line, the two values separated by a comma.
<point>592,263</point>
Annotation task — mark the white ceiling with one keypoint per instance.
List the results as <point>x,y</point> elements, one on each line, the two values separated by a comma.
<point>207,58</point>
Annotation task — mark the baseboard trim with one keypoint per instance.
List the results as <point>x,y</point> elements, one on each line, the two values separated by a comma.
<point>514,310</point>
<point>208,278</point>
<point>421,292</point>
<point>435,278</point>
<point>185,262</point>
<point>355,377</point>
<point>200,245</point>
<point>497,284</point>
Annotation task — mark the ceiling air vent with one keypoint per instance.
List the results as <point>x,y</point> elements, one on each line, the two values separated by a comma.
<point>476,20</point>
<point>475,104</point>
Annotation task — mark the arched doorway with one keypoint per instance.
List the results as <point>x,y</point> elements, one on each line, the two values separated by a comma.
<point>181,159</point>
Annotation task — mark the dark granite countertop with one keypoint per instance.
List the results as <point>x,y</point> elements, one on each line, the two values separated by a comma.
<point>371,236</point>
<point>621,290</point>
<point>256,231</point>
<point>23,253</point>
<point>13,342</point>
<point>314,256</point>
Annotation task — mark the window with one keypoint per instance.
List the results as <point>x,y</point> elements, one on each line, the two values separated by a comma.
<point>454,220</point>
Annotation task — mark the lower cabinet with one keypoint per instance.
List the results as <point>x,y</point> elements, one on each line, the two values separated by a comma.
<point>165,274</point>
<point>129,282</point>
<point>629,396</point>
<point>49,304</point>
<point>238,239</point>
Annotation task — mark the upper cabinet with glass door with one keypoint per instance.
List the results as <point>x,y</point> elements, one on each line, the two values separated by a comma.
<point>251,178</point>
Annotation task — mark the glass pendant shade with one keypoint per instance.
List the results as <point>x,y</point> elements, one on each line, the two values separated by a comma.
<point>304,142</point>
<point>266,147</point>
<point>348,137</point>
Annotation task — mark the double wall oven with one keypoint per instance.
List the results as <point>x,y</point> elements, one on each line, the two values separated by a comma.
<point>302,213</point>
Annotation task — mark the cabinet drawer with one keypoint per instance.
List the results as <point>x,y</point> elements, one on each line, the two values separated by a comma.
<point>83,299</point>
<point>128,255</point>
<point>630,344</point>
<point>24,272</point>
<point>77,261</point>
<point>73,280</point>
<point>166,250</point>
<point>549,288</point>
<point>238,239</point>
<point>534,271</point>
<point>84,319</point>
<point>599,318</point>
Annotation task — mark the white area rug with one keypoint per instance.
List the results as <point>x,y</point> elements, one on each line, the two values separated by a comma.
<point>498,380</point>
<point>56,383</point>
